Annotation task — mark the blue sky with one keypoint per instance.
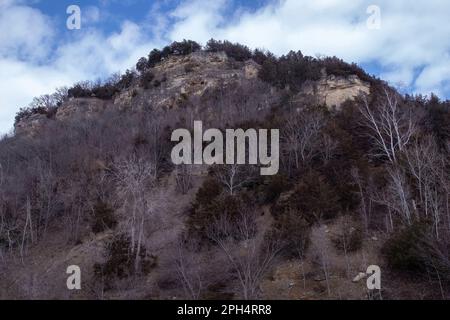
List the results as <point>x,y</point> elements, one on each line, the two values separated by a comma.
<point>406,43</point>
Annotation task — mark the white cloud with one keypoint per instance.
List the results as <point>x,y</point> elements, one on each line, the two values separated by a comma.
<point>413,35</point>
<point>28,67</point>
<point>197,18</point>
<point>435,77</point>
<point>94,55</point>
<point>25,32</point>
<point>19,82</point>
<point>91,15</point>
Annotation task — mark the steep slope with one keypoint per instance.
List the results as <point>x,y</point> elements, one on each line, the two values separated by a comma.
<point>87,180</point>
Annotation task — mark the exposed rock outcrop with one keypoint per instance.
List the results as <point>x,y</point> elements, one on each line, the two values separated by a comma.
<point>179,78</point>
<point>31,125</point>
<point>85,107</point>
<point>333,91</point>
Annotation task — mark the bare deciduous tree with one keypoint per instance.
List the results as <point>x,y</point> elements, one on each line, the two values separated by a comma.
<point>251,257</point>
<point>328,147</point>
<point>365,205</point>
<point>400,195</point>
<point>136,179</point>
<point>391,128</point>
<point>429,169</point>
<point>189,268</point>
<point>183,177</point>
<point>301,136</point>
<point>233,176</point>
<point>320,249</point>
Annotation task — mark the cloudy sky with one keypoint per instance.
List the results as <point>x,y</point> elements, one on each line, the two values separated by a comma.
<point>406,43</point>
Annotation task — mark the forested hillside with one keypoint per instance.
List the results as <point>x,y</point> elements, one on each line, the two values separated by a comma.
<point>364,179</point>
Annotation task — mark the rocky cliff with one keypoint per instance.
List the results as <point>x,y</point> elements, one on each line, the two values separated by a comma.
<point>178,78</point>
<point>333,91</point>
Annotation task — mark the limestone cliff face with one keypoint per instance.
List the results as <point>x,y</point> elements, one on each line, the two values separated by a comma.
<point>31,125</point>
<point>333,91</point>
<point>85,107</point>
<point>175,79</point>
<point>181,77</point>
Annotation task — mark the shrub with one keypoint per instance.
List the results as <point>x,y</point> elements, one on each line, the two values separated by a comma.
<point>402,250</point>
<point>105,92</point>
<point>415,249</point>
<point>9,238</point>
<point>294,69</point>
<point>233,50</point>
<point>46,104</point>
<point>146,79</point>
<point>102,91</point>
<point>338,67</point>
<point>293,231</point>
<point>269,71</point>
<point>26,112</point>
<point>126,80</point>
<point>142,65</point>
<point>200,217</point>
<point>51,112</point>
<point>313,198</point>
<point>437,120</point>
<point>211,205</point>
<point>349,239</point>
<point>209,191</point>
<point>184,47</point>
<point>120,261</point>
<point>165,52</point>
<point>79,91</point>
<point>290,70</point>
<point>154,57</point>
<point>274,187</point>
<point>103,217</point>
<point>217,291</point>
<point>336,173</point>
<point>259,56</point>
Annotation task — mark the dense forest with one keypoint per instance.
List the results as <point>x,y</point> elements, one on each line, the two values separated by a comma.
<point>366,183</point>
